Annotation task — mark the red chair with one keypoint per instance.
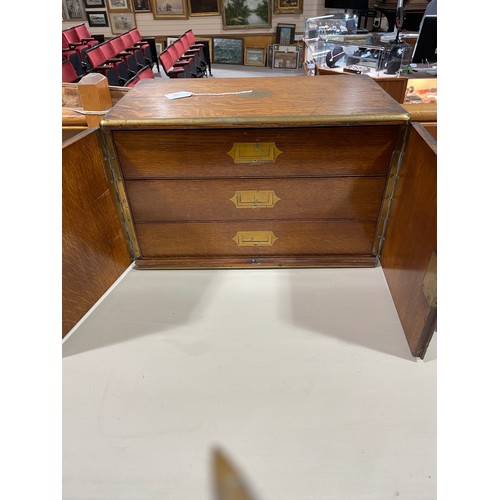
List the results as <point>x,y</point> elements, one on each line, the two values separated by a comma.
<point>68,72</point>
<point>143,44</point>
<point>85,36</point>
<point>98,64</point>
<point>128,41</point>
<point>170,67</point>
<point>118,63</point>
<point>119,49</point>
<point>144,73</point>
<point>180,58</point>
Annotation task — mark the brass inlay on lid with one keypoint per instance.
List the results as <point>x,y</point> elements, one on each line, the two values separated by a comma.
<point>255,238</point>
<point>254,152</point>
<point>255,199</point>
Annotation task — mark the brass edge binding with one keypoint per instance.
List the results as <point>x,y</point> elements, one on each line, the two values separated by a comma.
<point>259,121</point>
<point>113,167</point>
<point>396,162</point>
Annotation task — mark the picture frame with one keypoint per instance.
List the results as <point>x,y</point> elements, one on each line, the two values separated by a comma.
<point>98,19</point>
<point>284,58</point>
<point>227,50</point>
<point>118,6</point>
<point>141,5</point>
<point>255,56</point>
<point>241,14</point>
<point>73,10</point>
<point>204,8</point>
<point>285,34</point>
<point>94,4</point>
<point>170,40</point>
<point>288,6</point>
<point>169,9</point>
<point>210,45</point>
<point>159,48</point>
<point>121,22</point>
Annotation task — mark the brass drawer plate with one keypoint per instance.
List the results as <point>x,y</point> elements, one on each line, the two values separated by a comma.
<point>255,199</point>
<point>254,152</point>
<point>255,238</point>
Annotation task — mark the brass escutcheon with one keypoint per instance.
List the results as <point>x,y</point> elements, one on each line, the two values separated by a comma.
<point>255,199</point>
<point>254,152</point>
<point>255,238</point>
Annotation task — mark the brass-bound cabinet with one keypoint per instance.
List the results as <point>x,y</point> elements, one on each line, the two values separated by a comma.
<point>269,172</point>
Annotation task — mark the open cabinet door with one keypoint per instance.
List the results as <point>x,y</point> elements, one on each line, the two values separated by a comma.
<point>94,248</point>
<point>409,252</point>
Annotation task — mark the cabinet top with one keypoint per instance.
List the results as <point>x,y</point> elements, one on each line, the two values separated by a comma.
<point>273,102</point>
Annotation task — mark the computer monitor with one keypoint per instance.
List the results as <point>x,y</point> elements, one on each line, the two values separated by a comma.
<point>426,46</point>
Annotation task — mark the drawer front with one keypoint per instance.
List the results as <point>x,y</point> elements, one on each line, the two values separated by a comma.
<point>265,238</point>
<point>363,150</point>
<point>219,200</point>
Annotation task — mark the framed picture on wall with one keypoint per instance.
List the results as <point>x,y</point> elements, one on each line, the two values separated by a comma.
<point>204,8</point>
<point>288,6</point>
<point>255,56</point>
<point>121,22</point>
<point>118,6</point>
<point>285,34</point>
<point>171,40</point>
<point>98,19</point>
<point>94,4</point>
<point>169,9</point>
<point>245,14</point>
<point>73,10</point>
<point>210,45</point>
<point>284,58</point>
<point>142,6</point>
<point>228,50</point>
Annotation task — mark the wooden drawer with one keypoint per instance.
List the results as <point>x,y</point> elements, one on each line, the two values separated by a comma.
<point>280,152</point>
<point>201,200</point>
<point>264,238</point>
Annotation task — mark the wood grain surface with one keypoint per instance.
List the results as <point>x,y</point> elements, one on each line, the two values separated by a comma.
<point>273,102</point>
<point>94,250</point>
<point>295,238</point>
<point>305,152</point>
<point>204,200</point>
<point>411,238</point>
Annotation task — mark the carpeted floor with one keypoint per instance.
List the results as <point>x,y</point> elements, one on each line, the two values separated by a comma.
<point>236,71</point>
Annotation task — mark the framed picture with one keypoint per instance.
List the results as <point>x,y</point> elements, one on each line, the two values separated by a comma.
<point>285,34</point>
<point>141,6</point>
<point>204,8</point>
<point>98,19</point>
<point>243,14</point>
<point>118,6</point>
<point>284,58</point>
<point>169,9</point>
<point>121,22</point>
<point>73,10</point>
<point>171,40</point>
<point>288,6</point>
<point>228,50</point>
<point>159,48</point>
<point>94,4</point>
<point>255,56</point>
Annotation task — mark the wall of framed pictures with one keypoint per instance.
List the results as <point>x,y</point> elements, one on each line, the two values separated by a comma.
<point>207,18</point>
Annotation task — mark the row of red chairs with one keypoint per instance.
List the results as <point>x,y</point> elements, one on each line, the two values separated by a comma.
<point>123,59</point>
<point>77,40</point>
<point>185,58</point>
